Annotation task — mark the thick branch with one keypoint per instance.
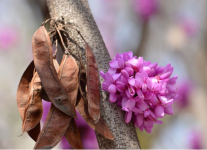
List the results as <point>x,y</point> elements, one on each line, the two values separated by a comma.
<point>79,13</point>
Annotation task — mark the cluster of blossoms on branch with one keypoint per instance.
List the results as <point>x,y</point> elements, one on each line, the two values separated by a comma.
<point>144,90</point>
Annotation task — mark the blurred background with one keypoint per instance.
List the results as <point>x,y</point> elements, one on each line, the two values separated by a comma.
<point>162,31</point>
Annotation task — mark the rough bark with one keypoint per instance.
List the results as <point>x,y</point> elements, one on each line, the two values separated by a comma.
<point>79,13</point>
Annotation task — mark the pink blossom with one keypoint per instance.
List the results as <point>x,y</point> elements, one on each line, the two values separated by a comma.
<point>184,90</point>
<point>195,139</point>
<point>189,26</point>
<point>146,8</point>
<point>8,37</point>
<point>144,90</point>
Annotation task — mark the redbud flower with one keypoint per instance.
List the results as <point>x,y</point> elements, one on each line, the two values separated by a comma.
<point>8,37</point>
<point>146,8</point>
<point>144,90</point>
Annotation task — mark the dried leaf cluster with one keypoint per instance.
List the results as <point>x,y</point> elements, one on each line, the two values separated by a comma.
<point>69,87</point>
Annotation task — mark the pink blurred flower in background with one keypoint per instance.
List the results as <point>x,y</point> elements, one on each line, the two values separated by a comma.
<point>146,8</point>
<point>195,140</point>
<point>184,89</point>
<point>8,37</point>
<point>88,136</point>
<point>189,26</point>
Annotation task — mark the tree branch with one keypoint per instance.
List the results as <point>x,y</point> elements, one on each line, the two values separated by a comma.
<point>79,13</point>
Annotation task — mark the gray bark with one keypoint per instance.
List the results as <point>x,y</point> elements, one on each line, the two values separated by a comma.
<point>79,13</point>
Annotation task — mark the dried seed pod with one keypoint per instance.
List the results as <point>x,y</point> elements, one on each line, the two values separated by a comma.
<point>100,126</point>
<point>34,110</point>
<point>93,93</point>
<point>43,60</point>
<point>44,94</point>
<point>23,93</point>
<point>53,129</point>
<point>73,136</point>
<point>68,74</point>
<point>57,123</point>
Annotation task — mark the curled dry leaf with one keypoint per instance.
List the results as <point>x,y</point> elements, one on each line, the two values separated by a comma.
<point>34,110</point>
<point>23,93</point>
<point>53,132</point>
<point>93,93</point>
<point>43,60</point>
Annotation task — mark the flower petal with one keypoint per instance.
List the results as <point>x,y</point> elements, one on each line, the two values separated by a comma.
<point>159,111</point>
<point>128,116</point>
<point>102,74</point>
<point>136,110</point>
<point>153,65</point>
<point>120,88</point>
<point>131,81</point>
<point>129,70</point>
<point>125,73</point>
<point>131,104</point>
<point>140,94</point>
<point>116,76</point>
<point>105,86</point>
<point>169,110</point>
<point>112,89</point>
<point>113,98</point>
<point>139,120</point>
<point>142,105</point>
<point>112,70</point>
<point>148,129</point>
<point>165,75</point>
<point>120,62</point>
<point>114,64</point>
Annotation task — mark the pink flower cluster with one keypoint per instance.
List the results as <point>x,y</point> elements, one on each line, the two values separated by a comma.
<point>144,90</point>
<point>146,8</point>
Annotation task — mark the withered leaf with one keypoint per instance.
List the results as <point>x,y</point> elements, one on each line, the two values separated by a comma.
<point>23,93</point>
<point>34,110</point>
<point>43,60</point>
<point>93,93</point>
<point>52,132</point>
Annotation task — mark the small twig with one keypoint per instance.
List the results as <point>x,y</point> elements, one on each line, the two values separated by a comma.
<point>61,39</point>
<point>56,44</point>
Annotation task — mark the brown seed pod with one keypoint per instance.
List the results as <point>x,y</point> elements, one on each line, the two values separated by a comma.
<point>43,60</point>
<point>73,136</point>
<point>44,94</point>
<point>34,110</point>
<point>93,93</point>
<point>69,77</point>
<point>57,122</point>
<point>100,126</point>
<point>53,129</point>
<point>23,93</point>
